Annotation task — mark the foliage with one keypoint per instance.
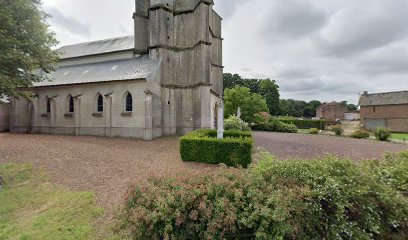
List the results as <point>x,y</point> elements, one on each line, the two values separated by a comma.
<point>33,208</point>
<point>360,134</point>
<point>26,43</point>
<point>267,88</point>
<point>382,134</point>
<point>250,103</point>
<point>305,124</point>
<point>235,123</point>
<point>298,108</point>
<point>337,129</point>
<point>326,198</point>
<point>314,131</point>
<point>235,149</point>
<point>274,125</point>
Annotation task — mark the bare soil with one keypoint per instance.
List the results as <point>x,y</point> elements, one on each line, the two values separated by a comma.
<point>307,146</point>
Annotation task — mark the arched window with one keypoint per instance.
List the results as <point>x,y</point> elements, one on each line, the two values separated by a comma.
<point>71,107</point>
<point>99,103</point>
<point>48,105</point>
<point>129,102</point>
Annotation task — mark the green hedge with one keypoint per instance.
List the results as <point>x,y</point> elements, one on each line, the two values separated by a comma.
<point>328,198</point>
<point>306,124</point>
<point>274,125</point>
<point>204,146</point>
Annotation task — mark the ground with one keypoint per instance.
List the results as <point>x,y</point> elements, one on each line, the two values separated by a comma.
<point>107,167</point>
<point>306,146</point>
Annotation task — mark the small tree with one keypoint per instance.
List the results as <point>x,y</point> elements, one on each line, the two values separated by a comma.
<point>25,44</point>
<point>250,104</point>
<point>382,134</point>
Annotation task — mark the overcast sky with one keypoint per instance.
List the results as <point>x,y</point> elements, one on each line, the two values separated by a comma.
<point>314,49</point>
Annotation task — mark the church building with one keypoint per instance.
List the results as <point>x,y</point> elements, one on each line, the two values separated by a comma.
<point>166,79</point>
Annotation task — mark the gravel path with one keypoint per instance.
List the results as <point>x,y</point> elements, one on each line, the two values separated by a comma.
<point>108,166</point>
<point>306,146</point>
<point>104,166</point>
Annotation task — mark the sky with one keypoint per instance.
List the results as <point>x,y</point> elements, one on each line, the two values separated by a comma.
<point>315,49</point>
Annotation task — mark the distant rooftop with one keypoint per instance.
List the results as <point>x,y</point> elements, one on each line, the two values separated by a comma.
<point>97,47</point>
<point>388,98</point>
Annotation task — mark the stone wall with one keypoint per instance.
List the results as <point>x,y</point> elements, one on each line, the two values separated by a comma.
<point>114,121</point>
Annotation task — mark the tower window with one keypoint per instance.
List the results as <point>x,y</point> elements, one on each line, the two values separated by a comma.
<point>48,105</point>
<point>129,103</point>
<point>99,107</point>
<point>71,107</point>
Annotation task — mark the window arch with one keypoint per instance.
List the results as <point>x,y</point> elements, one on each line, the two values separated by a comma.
<point>48,104</point>
<point>128,102</point>
<point>71,106</point>
<point>99,103</point>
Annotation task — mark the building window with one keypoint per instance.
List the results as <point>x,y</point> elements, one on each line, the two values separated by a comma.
<point>71,107</point>
<point>374,109</point>
<point>129,103</point>
<point>99,107</point>
<point>48,105</point>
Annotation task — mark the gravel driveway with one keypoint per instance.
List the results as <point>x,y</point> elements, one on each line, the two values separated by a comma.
<point>101,165</point>
<point>306,146</point>
<point>108,166</point>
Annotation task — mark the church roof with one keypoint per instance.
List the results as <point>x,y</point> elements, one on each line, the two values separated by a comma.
<point>115,70</point>
<point>389,98</point>
<point>97,47</point>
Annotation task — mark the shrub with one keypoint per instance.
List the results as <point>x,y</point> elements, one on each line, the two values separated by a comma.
<point>274,125</point>
<point>326,198</point>
<point>305,124</point>
<point>203,146</point>
<point>360,134</point>
<point>235,123</point>
<point>382,134</point>
<point>314,131</point>
<point>337,129</point>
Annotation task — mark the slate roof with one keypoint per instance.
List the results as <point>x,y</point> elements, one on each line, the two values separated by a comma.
<point>389,98</point>
<point>115,70</point>
<point>97,47</point>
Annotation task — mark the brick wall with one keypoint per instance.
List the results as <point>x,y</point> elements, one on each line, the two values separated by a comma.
<point>396,116</point>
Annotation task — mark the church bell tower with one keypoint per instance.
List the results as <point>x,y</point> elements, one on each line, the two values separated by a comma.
<point>185,35</point>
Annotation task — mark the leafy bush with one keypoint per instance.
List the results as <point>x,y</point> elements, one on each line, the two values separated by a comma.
<point>203,146</point>
<point>360,134</point>
<point>327,198</point>
<point>382,134</point>
<point>314,131</point>
<point>337,129</point>
<point>305,124</point>
<point>274,125</point>
<point>235,123</point>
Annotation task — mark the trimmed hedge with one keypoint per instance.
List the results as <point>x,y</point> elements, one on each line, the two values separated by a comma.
<point>204,146</point>
<point>328,198</point>
<point>306,124</point>
<point>274,125</point>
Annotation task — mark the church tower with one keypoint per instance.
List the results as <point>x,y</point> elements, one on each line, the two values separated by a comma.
<point>185,36</point>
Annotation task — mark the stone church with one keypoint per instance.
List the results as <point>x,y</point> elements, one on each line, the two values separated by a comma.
<point>166,79</point>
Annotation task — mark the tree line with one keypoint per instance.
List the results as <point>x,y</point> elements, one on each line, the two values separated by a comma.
<point>255,95</point>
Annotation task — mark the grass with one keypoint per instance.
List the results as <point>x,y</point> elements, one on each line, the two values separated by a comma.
<point>33,208</point>
<point>399,136</point>
<point>303,131</point>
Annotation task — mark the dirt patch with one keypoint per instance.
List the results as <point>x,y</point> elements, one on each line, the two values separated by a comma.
<point>306,146</point>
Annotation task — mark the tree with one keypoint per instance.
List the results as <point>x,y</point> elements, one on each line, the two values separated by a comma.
<point>269,90</point>
<point>25,45</point>
<point>352,107</point>
<point>250,103</point>
<point>232,80</point>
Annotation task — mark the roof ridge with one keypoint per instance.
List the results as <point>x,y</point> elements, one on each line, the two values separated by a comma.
<point>95,41</point>
<point>402,91</point>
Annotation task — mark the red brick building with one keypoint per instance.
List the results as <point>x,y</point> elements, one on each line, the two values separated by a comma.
<point>389,110</point>
<point>331,111</point>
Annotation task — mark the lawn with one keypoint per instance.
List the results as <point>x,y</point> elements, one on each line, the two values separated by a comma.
<point>399,136</point>
<point>33,208</point>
